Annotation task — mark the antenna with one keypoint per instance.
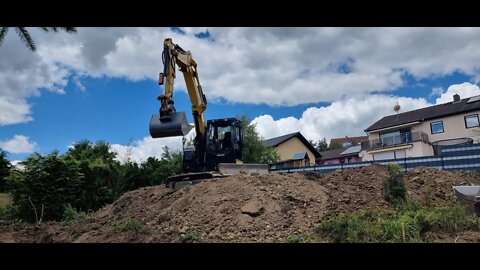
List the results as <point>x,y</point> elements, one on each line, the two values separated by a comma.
<point>397,108</point>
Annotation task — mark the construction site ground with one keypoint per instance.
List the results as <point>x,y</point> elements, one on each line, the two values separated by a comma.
<point>247,208</point>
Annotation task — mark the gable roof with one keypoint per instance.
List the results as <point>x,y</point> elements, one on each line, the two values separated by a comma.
<point>341,152</point>
<point>273,142</point>
<point>300,155</point>
<point>356,139</point>
<point>352,150</point>
<point>432,112</point>
<point>334,153</point>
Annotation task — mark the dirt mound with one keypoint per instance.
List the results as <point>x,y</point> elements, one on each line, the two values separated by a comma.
<point>353,189</point>
<point>434,186</point>
<point>252,208</point>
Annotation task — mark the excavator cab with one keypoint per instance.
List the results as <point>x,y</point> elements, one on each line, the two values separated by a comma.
<point>224,142</point>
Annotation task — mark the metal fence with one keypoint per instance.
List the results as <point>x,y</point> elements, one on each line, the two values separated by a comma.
<point>464,157</point>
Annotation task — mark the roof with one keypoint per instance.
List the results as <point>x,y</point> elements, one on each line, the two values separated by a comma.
<point>352,150</point>
<point>299,155</point>
<point>341,152</point>
<point>334,153</point>
<point>432,112</point>
<point>356,139</point>
<point>273,142</point>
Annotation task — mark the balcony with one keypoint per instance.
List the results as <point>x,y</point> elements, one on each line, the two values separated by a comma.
<point>395,140</point>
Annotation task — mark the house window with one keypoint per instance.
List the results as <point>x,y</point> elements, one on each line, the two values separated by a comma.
<point>436,127</point>
<point>471,121</point>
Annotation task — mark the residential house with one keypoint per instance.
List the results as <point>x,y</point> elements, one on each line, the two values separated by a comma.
<point>288,146</point>
<point>346,154</point>
<point>348,141</point>
<point>299,159</point>
<point>420,132</point>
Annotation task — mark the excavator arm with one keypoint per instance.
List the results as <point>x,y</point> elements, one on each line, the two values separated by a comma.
<point>170,123</point>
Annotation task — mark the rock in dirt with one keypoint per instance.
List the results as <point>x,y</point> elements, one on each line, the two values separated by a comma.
<point>252,208</point>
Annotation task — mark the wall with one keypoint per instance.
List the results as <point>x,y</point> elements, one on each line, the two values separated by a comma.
<point>452,158</point>
<point>418,149</point>
<point>453,126</point>
<point>337,160</point>
<point>287,149</point>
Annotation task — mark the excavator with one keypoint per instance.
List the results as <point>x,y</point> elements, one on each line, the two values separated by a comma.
<point>218,143</point>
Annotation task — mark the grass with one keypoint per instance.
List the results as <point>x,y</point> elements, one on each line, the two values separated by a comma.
<point>130,225</point>
<point>388,226</point>
<point>5,199</point>
<point>192,236</point>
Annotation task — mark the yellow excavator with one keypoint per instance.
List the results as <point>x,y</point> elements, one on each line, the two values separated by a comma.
<point>218,143</point>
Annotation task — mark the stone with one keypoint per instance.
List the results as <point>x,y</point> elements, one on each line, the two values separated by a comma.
<point>252,208</point>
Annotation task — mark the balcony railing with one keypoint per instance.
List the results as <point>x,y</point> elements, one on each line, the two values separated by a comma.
<point>402,138</point>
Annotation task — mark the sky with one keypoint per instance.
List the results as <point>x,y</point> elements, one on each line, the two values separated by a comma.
<point>101,83</point>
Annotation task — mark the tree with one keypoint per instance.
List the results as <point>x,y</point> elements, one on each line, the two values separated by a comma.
<point>45,186</point>
<point>254,151</point>
<point>5,168</point>
<point>320,145</point>
<point>25,35</point>
<point>334,146</point>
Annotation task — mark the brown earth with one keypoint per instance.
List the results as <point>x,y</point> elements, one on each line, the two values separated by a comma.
<point>246,208</point>
<point>433,186</point>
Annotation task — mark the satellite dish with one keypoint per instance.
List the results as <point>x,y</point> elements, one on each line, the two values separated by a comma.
<point>361,154</point>
<point>397,108</point>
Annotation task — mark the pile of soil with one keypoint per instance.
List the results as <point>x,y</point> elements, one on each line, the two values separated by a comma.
<point>353,189</point>
<point>434,187</point>
<point>246,208</point>
<point>252,208</point>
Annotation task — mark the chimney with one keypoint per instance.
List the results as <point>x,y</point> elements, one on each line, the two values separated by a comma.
<point>456,98</point>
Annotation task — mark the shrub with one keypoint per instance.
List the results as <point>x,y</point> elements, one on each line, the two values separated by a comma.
<point>394,188</point>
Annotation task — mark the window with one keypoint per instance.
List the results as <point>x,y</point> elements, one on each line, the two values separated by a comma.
<point>436,127</point>
<point>471,121</point>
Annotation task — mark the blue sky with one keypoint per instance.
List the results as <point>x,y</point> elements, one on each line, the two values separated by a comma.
<point>100,84</point>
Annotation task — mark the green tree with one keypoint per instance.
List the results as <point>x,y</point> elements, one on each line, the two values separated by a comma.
<point>103,182</point>
<point>25,35</point>
<point>320,145</point>
<point>334,146</point>
<point>5,168</point>
<point>45,186</point>
<point>254,151</point>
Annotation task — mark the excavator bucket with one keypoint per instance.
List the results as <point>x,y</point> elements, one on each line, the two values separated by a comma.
<point>176,125</point>
<point>234,168</point>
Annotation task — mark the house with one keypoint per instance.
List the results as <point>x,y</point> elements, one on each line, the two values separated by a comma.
<point>346,154</point>
<point>288,146</point>
<point>299,159</point>
<point>348,141</point>
<point>422,132</point>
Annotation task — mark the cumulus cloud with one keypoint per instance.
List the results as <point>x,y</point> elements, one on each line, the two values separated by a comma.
<point>349,117</point>
<point>464,90</point>
<point>274,66</point>
<point>140,150</point>
<point>18,144</point>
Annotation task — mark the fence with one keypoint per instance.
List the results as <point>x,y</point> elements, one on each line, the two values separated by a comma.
<point>464,157</point>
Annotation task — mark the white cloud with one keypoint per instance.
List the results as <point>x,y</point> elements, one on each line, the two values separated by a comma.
<point>275,66</point>
<point>436,91</point>
<point>464,90</point>
<point>348,117</point>
<point>17,164</point>
<point>14,111</point>
<point>18,144</point>
<point>140,150</point>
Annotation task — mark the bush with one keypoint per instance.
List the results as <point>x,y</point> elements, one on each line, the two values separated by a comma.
<point>71,215</point>
<point>385,226</point>
<point>46,184</point>
<point>394,188</point>
<point>130,225</point>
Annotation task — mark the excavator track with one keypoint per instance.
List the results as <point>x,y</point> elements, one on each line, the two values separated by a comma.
<point>179,180</point>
